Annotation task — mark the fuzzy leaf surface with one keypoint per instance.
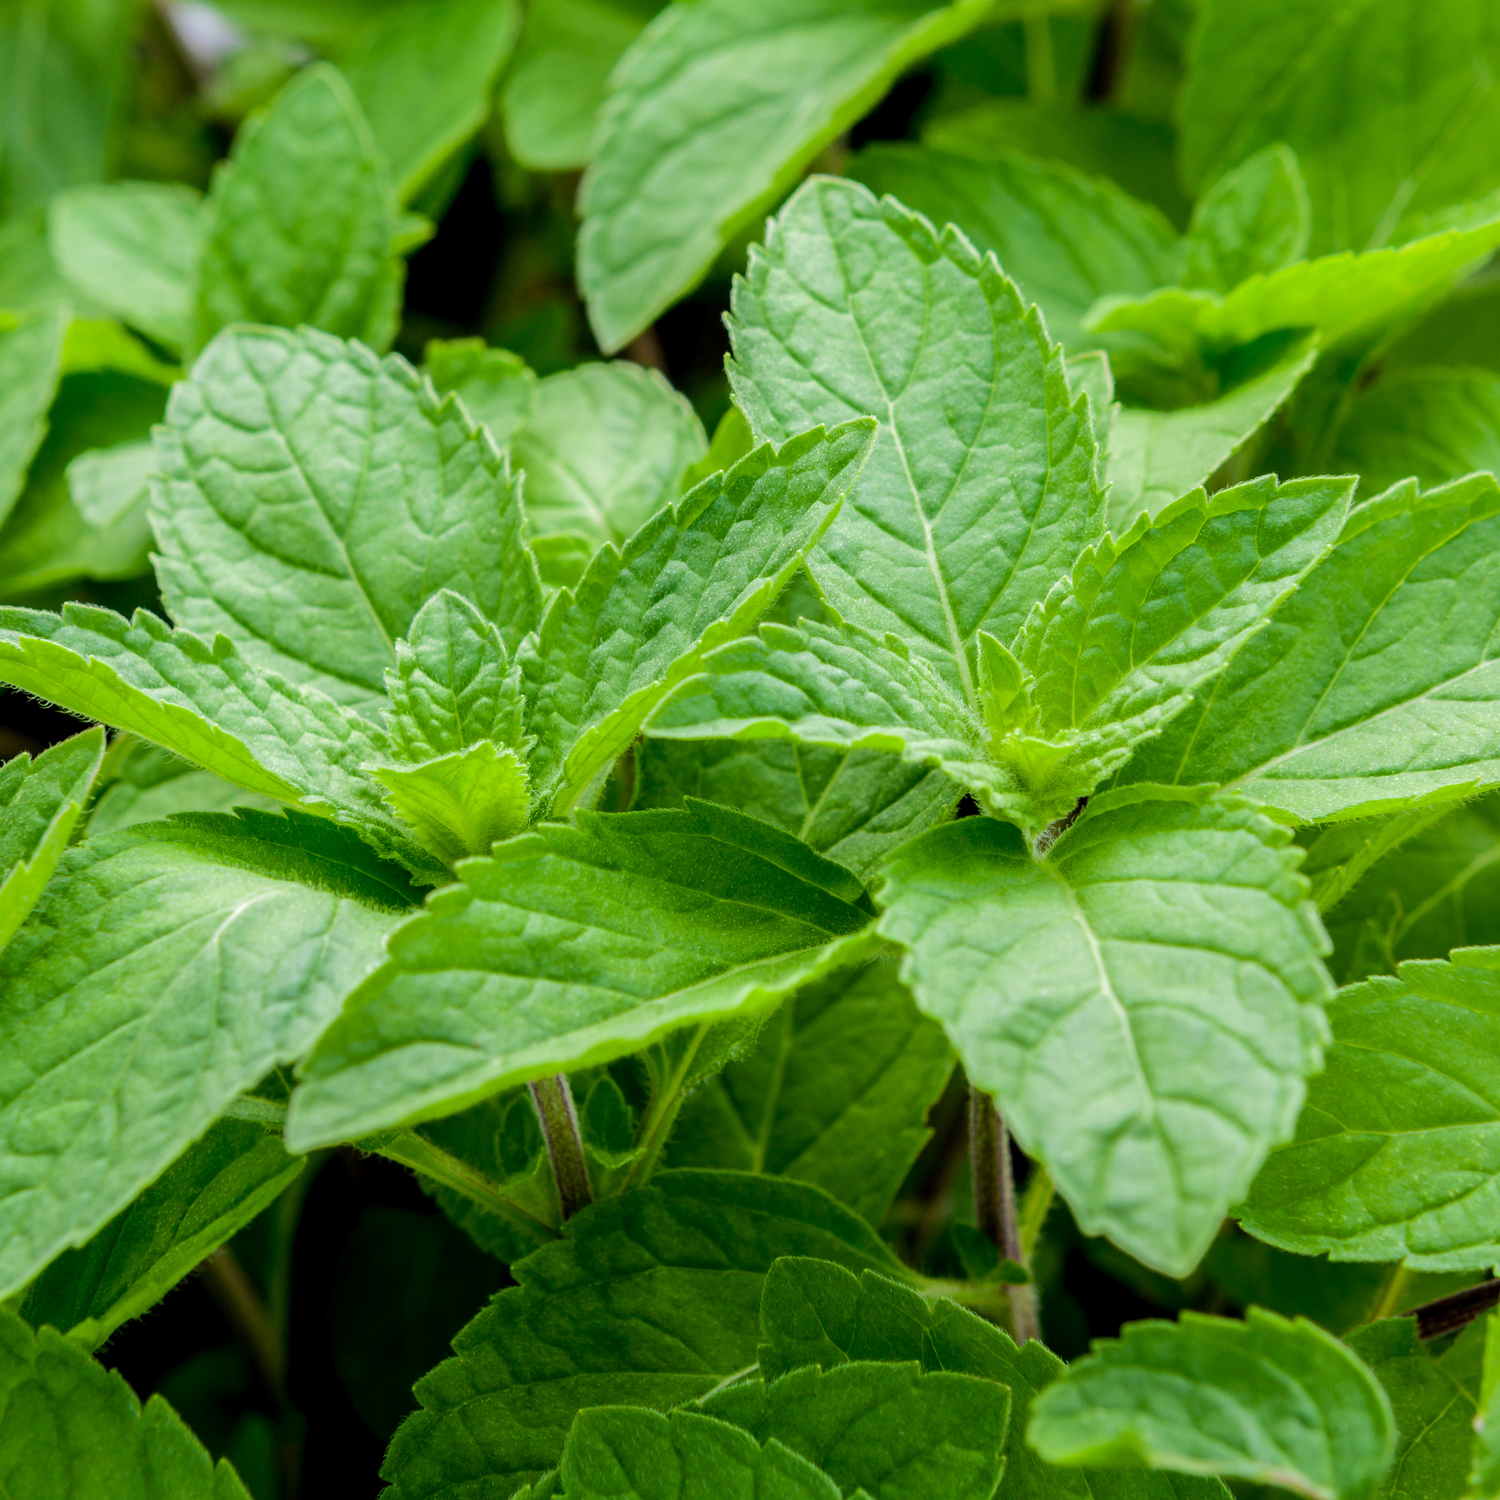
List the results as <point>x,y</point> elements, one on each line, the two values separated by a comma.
<point>1374,686</point>
<point>167,968</point>
<point>30,364</point>
<point>571,946</point>
<point>984,485</point>
<point>314,497</point>
<point>1102,995</point>
<point>650,1300</point>
<point>712,115</point>
<point>1269,1400</point>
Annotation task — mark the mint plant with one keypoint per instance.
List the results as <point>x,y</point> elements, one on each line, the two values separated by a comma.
<point>889,897</point>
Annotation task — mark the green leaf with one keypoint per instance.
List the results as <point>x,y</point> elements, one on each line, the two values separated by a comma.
<point>166,969</point>
<point>644,616</point>
<point>424,76</point>
<point>836,1093</point>
<point>709,913</point>
<point>1267,1400</point>
<point>218,1185</point>
<point>894,1430</point>
<point>141,784</point>
<point>273,252</point>
<point>30,364</point>
<point>314,497</point>
<point>496,385</point>
<point>1099,973</point>
<point>1484,1477</point>
<point>558,80</point>
<point>105,483</point>
<point>73,1428</point>
<point>983,486</point>
<point>679,1457</point>
<point>1435,425</point>
<point>1254,220</point>
<point>132,249</point>
<point>1066,238</point>
<point>853,806</point>
<point>604,449</point>
<point>41,801</point>
<point>712,114</point>
<point>461,803</point>
<point>1368,691</point>
<point>650,1300</point>
<point>1432,1399</point>
<point>1390,106</point>
<point>1155,456</point>
<point>1397,1154</point>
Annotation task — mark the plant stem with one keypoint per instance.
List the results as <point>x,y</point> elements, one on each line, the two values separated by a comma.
<point>241,1304</point>
<point>1036,1203</point>
<point>995,1203</point>
<point>1388,1303</point>
<point>1457,1310</point>
<point>1109,52</point>
<point>559,1116</point>
<point>1041,62</point>
<point>661,1115</point>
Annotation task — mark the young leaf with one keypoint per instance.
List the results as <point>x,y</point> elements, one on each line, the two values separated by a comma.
<point>70,1427</point>
<point>836,1093</point>
<point>1433,1400</point>
<point>1267,1400</point>
<point>497,386</point>
<point>1086,991</point>
<point>218,1185</point>
<point>106,483</point>
<point>679,1457</point>
<point>604,449</point>
<point>517,972</point>
<point>1252,221</point>
<point>132,249</point>
<point>712,115</point>
<point>894,1430</point>
<point>983,486</point>
<point>391,67</point>
<point>166,969</point>
<point>1370,689</point>
<point>301,221</point>
<point>40,801</point>
<point>650,1300</point>
<point>1066,238</point>
<point>30,364</point>
<point>1397,1154</point>
<point>1434,425</point>
<point>644,616</point>
<point>314,497</point>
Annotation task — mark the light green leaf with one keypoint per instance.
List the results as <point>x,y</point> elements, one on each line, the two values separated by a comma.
<point>1484,1476</point>
<point>679,1457</point>
<point>713,113</point>
<point>1397,1153</point>
<point>1254,220</point>
<point>141,784</point>
<point>1339,854</point>
<point>314,497</point>
<point>1433,1402</point>
<point>836,1093</point>
<point>41,801</point>
<point>72,1428</point>
<point>1435,425</point>
<point>1389,105</point>
<point>894,1430</point>
<point>1155,456</point>
<point>166,969</point>
<point>557,82</point>
<point>105,483</point>
<point>604,449</point>
<point>1087,992</point>
<point>983,486</point>
<point>650,1300</point>
<point>424,76</point>
<point>214,1189</point>
<point>1370,690</point>
<point>461,803</point>
<point>643,617</point>
<point>709,913</point>
<point>274,252</point>
<point>853,806</point>
<point>494,384</point>
<point>30,364</point>
<point>1066,239</point>
<point>1267,1400</point>
<point>132,249</point>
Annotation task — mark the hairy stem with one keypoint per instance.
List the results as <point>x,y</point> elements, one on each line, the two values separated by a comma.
<point>1036,1203</point>
<point>995,1203</point>
<point>559,1116</point>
